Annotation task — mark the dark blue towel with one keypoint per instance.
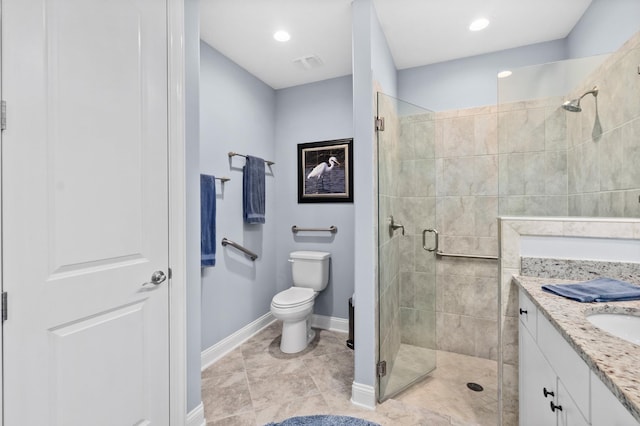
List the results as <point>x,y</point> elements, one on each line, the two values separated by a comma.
<point>253,193</point>
<point>207,220</point>
<point>598,290</point>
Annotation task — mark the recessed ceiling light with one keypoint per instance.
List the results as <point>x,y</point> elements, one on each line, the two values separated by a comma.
<point>504,74</point>
<point>281,35</point>
<point>479,24</point>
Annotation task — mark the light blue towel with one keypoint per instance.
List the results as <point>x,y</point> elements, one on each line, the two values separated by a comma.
<point>207,220</point>
<point>598,290</point>
<point>253,191</point>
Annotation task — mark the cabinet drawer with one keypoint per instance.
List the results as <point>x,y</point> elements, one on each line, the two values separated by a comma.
<point>528,313</point>
<point>566,363</point>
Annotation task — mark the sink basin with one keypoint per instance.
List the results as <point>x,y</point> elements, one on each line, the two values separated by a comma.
<point>624,326</point>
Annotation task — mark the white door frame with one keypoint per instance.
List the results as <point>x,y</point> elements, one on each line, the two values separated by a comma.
<point>177,215</point>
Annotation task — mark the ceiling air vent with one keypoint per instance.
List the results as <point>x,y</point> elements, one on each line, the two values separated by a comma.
<point>308,62</point>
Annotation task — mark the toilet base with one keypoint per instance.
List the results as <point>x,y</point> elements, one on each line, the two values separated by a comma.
<point>296,335</point>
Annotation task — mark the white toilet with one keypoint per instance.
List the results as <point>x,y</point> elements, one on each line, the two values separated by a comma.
<point>294,306</point>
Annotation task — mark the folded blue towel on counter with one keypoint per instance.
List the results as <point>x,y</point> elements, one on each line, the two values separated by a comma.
<point>253,190</point>
<point>598,290</point>
<point>207,220</point>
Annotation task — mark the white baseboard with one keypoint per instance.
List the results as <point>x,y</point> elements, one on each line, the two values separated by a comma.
<point>229,343</point>
<point>330,323</point>
<point>363,396</point>
<point>196,416</point>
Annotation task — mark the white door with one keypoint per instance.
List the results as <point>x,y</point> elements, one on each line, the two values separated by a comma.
<point>84,212</point>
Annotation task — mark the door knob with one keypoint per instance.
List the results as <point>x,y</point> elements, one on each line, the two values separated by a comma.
<point>158,277</point>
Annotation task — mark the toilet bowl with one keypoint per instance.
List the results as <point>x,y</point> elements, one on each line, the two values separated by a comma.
<point>294,306</point>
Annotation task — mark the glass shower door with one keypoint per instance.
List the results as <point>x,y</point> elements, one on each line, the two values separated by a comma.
<point>406,271</point>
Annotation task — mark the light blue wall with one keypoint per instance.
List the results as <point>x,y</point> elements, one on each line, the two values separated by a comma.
<point>310,113</point>
<point>237,113</point>
<point>604,27</point>
<point>372,70</point>
<point>470,82</point>
<point>385,75</point>
<point>192,161</point>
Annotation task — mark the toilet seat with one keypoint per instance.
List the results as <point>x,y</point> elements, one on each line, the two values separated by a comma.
<point>293,297</point>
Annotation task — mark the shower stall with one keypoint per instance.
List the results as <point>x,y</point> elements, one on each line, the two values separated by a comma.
<point>438,198</point>
<point>563,140</point>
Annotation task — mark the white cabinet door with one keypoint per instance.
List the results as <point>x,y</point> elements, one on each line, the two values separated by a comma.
<point>84,212</point>
<point>566,362</point>
<point>537,384</point>
<point>606,409</point>
<point>568,412</point>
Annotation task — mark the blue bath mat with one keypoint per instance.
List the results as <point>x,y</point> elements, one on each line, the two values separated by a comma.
<point>323,421</point>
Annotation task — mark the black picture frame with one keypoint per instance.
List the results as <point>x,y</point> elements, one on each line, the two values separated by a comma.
<point>333,182</point>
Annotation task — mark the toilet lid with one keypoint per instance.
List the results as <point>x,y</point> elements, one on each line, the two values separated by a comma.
<point>293,296</point>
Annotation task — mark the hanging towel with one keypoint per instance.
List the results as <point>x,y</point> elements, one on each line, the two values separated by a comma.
<point>598,290</point>
<point>253,193</point>
<point>207,220</point>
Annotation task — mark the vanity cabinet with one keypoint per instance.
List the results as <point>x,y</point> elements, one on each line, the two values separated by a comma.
<point>556,386</point>
<point>537,383</point>
<point>544,399</point>
<point>553,375</point>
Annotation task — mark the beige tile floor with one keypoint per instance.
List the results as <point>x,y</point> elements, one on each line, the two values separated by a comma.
<point>256,384</point>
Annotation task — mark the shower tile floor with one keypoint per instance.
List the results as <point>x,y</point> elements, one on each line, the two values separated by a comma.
<point>256,384</point>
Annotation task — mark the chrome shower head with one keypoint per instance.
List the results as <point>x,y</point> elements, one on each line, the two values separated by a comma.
<point>574,104</point>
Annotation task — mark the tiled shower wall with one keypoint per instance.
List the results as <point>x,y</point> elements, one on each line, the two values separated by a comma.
<point>416,208</point>
<point>448,180</point>
<point>466,153</point>
<point>533,158</point>
<point>558,163</point>
<point>604,139</point>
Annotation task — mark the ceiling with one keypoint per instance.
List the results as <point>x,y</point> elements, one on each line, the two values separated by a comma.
<point>418,32</point>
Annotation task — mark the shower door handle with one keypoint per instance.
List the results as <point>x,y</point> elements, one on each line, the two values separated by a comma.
<point>424,238</point>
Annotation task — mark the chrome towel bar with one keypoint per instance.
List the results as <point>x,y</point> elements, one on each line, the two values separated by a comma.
<point>466,256</point>
<point>233,154</point>
<point>437,251</point>
<point>248,252</point>
<point>333,229</point>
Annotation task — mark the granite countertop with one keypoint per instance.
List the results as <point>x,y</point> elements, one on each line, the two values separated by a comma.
<point>615,361</point>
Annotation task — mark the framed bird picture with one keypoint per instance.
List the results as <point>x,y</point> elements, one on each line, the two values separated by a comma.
<point>325,171</point>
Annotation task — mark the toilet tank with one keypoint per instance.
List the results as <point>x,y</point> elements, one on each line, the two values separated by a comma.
<point>310,269</point>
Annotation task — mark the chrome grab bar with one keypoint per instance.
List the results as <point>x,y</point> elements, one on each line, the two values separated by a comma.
<point>466,256</point>
<point>249,253</point>
<point>424,238</point>
<point>333,229</point>
<point>393,226</point>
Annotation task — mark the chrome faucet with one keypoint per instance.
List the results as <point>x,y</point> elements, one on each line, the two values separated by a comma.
<point>393,226</point>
